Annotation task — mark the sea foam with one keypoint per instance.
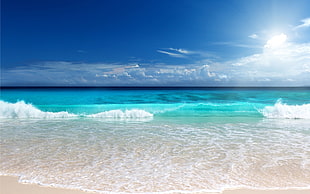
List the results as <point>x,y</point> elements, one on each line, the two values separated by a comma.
<point>280,110</point>
<point>21,109</point>
<point>134,113</point>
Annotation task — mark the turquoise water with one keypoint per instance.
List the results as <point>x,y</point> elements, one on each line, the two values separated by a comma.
<point>171,102</point>
<point>144,140</point>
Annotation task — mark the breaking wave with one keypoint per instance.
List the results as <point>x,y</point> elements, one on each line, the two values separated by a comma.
<point>280,110</point>
<point>23,110</point>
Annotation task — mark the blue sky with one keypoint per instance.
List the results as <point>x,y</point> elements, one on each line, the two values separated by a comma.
<point>155,43</point>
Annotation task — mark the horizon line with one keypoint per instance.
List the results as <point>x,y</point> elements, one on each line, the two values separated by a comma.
<point>12,87</point>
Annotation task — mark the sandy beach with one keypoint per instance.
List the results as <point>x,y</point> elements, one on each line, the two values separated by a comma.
<point>10,185</point>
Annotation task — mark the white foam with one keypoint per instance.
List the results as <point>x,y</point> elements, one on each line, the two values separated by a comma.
<point>22,110</point>
<point>280,110</point>
<point>134,113</point>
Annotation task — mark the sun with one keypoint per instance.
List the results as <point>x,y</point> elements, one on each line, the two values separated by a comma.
<point>276,41</point>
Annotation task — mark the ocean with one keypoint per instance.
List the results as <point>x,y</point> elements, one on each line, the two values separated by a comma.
<point>156,140</point>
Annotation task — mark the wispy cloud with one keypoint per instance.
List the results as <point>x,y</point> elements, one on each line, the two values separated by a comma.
<point>235,44</point>
<point>253,36</point>
<point>81,51</point>
<point>183,51</point>
<point>305,23</point>
<point>172,54</point>
<point>177,52</point>
<point>189,54</point>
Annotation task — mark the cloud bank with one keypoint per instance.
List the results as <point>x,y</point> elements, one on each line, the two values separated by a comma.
<point>287,64</point>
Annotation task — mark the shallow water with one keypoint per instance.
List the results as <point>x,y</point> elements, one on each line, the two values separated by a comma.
<point>181,140</point>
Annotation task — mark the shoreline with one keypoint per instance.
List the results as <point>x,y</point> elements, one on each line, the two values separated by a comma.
<point>10,185</point>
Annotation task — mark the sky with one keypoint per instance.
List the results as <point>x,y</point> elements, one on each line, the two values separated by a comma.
<point>155,43</point>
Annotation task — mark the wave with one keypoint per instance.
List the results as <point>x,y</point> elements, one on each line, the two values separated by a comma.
<point>21,109</point>
<point>284,111</point>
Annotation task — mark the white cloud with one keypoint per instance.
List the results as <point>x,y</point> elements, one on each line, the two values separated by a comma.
<point>206,68</point>
<point>305,23</point>
<point>178,55</point>
<point>274,65</point>
<point>183,51</point>
<point>246,60</point>
<point>253,36</point>
<point>188,54</point>
<point>235,44</point>
<point>276,41</point>
<point>286,64</point>
<point>179,52</point>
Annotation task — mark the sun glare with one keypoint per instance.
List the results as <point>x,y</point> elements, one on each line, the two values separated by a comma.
<point>276,41</point>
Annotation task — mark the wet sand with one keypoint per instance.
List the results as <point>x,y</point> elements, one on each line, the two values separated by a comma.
<point>10,185</point>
